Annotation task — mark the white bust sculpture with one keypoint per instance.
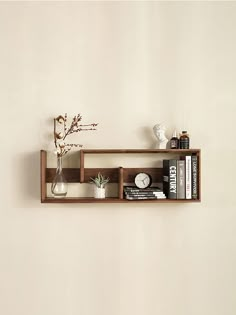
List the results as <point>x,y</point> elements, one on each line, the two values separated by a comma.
<point>159,132</point>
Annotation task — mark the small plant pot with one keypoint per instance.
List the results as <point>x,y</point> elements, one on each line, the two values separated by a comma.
<point>99,193</point>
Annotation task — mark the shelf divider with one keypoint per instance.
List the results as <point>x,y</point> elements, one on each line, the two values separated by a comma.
<point>121,182</point>
<point>81,166</point>
<point>43,168</point>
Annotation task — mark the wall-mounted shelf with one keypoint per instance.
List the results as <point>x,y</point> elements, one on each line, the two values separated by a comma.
<point>117,175</point>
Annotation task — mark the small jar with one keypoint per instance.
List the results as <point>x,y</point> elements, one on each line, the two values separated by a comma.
<point>174,141</point>
<point>184,140</point>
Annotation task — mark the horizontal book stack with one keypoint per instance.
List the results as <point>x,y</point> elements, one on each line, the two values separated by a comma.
<point>134,193</point>
<point>180,177</point>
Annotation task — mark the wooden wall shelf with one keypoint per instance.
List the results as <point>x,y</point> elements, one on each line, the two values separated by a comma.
<point>117,175</point>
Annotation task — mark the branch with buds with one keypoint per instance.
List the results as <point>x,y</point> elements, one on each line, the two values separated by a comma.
<point>59,137</point>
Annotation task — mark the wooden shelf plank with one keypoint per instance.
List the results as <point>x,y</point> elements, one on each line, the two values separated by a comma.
<point>123,151</point>
<point>43,168</point>
<point>115,200</point>
<point>72,175</point>
<point>121,182</point>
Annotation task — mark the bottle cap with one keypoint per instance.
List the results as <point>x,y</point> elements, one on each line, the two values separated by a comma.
<point>184,131</point>
<point>174,134</point>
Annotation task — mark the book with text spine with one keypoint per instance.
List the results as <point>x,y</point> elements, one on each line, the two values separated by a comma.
<point>136,189</point>
<point>132,192</point>
<point>180,179</point>
<point>159,194</point>
<point>188,177</point>
<point>170,178</point>
<point>194,177</point>
<point>128,196</point>
<point>142,198</point>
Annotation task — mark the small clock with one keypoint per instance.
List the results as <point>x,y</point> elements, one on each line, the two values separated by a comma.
<point>143,180</point>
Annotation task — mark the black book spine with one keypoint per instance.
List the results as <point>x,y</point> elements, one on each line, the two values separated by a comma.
<point>170,178</point>
<point>194,177</point>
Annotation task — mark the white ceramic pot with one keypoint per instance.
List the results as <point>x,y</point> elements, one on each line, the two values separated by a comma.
<point>99,192</point>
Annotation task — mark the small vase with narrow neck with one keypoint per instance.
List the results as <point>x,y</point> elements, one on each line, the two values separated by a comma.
<point>59,185</point>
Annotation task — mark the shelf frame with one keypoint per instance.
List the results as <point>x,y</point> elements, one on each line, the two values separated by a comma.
<point>117,175</point>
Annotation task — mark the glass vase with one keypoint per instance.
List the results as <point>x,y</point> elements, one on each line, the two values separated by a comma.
<point>59,185</point>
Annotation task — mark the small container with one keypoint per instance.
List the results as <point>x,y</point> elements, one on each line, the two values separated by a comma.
<point>184,140</point>
<point>174,141</point>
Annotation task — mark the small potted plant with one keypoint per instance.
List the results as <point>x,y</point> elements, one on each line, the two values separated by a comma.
<point>100,182</point>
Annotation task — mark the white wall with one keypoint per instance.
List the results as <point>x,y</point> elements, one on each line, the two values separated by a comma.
<point>128,66</point>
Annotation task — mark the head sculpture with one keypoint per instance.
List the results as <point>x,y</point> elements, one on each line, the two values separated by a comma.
<point>159,131</point>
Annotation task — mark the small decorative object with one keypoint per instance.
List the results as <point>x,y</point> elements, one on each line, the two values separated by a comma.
<point>184,140</point>
<point>100,183</point>
<point>174,141</point>
<point>59,185</point>
<point>159,131</point>
<point>143,180</point>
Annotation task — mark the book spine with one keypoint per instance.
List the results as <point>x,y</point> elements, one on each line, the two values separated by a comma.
<point>188,181</point>
<point>194,177</point>
<point>145,195</point>
<point>145,190</point>
<point>151,194</point>
<point>180,179</point>
<point>166,177</point>
<point>172,179</point>
<point>142,198</point>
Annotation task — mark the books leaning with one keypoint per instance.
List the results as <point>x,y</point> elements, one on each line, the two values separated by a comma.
<point>180,177</point>
<point>134,193</point>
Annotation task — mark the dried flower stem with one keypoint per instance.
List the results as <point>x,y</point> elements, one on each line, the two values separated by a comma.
<point>61,147</point>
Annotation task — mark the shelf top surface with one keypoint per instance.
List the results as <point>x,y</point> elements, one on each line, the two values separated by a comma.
<point>114,200</point>
<point>102,151</point>
<point>124,151</point>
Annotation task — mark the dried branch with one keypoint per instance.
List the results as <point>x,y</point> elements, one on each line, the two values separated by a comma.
<point>61,147</point>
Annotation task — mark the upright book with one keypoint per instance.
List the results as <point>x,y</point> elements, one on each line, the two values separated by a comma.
<point>181,179</point>
<point>194,177</point>
<point>188,178</point>
<point>170,178</point>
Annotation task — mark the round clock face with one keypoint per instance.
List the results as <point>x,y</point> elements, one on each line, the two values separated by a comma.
<point>142,180</point>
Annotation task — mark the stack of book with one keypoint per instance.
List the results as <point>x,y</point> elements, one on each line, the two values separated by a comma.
<point>134,193</point>
<point>180,178</point>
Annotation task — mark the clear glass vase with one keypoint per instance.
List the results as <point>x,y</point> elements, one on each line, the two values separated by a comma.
<point>59,185</point>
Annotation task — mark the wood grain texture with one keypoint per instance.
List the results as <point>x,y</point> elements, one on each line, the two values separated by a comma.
<point>72,175</point>
<point>43,168</point>
<point>81,166</point>
<point>115,200</point>
<point>121,182</point>
<point>139,151</point>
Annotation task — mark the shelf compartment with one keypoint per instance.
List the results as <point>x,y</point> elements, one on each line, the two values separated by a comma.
<point>72,175</point>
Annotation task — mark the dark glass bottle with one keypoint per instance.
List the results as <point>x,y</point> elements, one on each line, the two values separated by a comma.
<point>174,141</point>
<point>184,140</point>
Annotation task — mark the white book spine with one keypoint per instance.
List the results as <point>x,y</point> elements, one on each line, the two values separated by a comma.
<point>188,177</point>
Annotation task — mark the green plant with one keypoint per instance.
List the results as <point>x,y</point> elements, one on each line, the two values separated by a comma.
<point>100,181</point>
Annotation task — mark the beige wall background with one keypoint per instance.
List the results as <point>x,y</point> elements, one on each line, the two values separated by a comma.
<point>128,66</point>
